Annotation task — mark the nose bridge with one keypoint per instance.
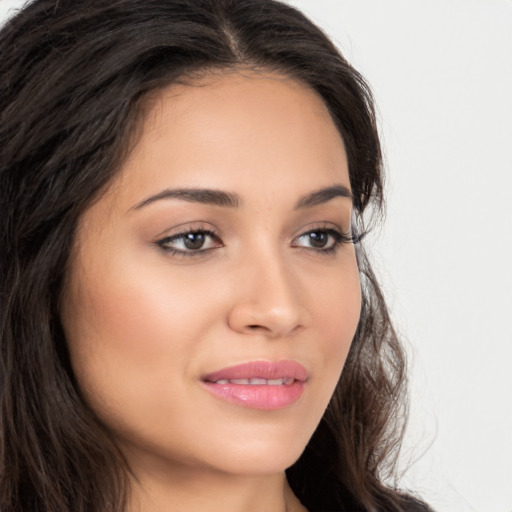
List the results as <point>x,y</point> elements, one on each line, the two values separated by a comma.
<point>267,298</point>
<point>273,282</point>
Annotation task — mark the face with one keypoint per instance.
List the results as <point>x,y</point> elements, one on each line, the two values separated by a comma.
<point>213,291</point>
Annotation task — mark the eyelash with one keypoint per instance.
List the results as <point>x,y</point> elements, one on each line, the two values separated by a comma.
<point>164,242</point>
<point>339,238</point>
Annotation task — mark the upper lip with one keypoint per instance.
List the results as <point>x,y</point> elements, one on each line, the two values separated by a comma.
<point>260,369</point>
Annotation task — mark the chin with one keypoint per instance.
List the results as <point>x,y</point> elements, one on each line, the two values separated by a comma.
<point>243,450</point>
<point>265,461</point>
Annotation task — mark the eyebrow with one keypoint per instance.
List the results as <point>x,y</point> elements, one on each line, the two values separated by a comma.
<point>194,195</point>
<point>322,196</point>
<point>231,200</point>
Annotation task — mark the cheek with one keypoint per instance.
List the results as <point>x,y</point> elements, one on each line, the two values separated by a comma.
<point>337,310</point>
<point>130,333</point>
<point>135,309</point>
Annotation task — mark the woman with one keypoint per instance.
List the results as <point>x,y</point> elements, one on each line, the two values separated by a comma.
<point>183,186</point>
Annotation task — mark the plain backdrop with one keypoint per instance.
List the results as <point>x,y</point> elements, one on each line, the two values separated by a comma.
<point>441,71</point>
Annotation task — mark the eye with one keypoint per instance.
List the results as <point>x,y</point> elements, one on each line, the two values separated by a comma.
<point>324,240</point>
<point>190,242</point>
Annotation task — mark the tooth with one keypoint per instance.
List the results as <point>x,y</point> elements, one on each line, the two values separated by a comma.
<point>289,380</point>
<point>257,381</point>
<point>222,381</point>
<point>275,382</point>
<point>239,381</point>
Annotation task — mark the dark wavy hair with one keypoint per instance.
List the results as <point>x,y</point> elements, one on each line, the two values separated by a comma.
<point>74,79</point>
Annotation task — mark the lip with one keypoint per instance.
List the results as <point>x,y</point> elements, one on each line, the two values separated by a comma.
<point>259,396</point>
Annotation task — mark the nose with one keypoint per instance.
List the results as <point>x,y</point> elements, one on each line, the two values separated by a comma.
<point>267,300</point>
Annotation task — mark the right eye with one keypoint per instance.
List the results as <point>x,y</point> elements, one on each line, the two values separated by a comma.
<point>190,242</point>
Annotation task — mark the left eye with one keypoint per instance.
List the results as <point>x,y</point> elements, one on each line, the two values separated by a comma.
<point>321,239</point>
<point>192,241</point>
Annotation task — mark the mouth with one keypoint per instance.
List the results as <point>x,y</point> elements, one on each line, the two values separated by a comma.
<point>257,381</point>
<point>262,385</point>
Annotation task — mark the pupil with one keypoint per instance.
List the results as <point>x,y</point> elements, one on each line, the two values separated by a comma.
<point>318,239</point>
<point>194,240</point>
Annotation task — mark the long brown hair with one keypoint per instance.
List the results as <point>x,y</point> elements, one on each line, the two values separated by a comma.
<point>74,77</point>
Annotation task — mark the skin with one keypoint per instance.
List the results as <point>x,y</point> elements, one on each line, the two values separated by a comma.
<point>144,324</point>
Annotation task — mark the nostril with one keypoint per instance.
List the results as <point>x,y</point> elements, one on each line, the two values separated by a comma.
<point>257,328</point>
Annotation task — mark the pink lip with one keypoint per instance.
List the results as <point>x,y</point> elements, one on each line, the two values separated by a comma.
<point>259,396</point>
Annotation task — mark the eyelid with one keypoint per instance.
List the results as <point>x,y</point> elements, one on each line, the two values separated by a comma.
<point>321,226</point>
<point>181,232</point>
<point>341,237</point>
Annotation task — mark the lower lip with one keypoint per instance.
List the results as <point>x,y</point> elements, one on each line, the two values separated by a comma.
<point>262,396</point>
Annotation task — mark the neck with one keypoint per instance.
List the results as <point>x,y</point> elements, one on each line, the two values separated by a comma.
<point>211,491</point>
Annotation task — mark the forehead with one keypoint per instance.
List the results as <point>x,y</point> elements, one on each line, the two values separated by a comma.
<point>223,130</point>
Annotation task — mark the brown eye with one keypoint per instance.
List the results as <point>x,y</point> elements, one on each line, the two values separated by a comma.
<point>321,239</point>
<point>194,241</point>
<point>318,239</point>
<point>190,242</point>
<point>324,241</point>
